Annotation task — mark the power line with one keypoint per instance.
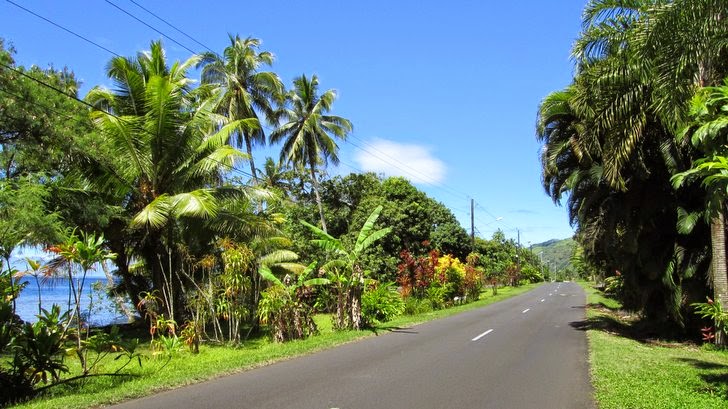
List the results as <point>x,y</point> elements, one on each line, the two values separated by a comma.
<point>478,205</point>
<point>62,114</point>
<point>393,161</point>
<point>73,97</point>
<point>150,26</point>
<point>76,99</point>
<point>61,27</point>
<point>171,25</point>
<point>56,89</point>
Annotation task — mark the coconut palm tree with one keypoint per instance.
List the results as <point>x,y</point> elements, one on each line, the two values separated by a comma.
<point>275,175</point>
<point>161,159</point>
<point>308,133</point>
<point>247,92</point>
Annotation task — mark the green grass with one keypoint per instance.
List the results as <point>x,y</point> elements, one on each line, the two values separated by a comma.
<point>627,373</point>
<point>156,374</point>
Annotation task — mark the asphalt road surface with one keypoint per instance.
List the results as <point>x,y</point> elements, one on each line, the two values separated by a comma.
<point>519,353</point>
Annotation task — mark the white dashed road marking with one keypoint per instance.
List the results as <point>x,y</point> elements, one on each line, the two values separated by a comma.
<point>482,335</point>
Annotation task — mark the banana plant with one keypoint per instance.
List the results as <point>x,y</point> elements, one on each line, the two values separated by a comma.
<point>281,306</point>
<point>345,267</point>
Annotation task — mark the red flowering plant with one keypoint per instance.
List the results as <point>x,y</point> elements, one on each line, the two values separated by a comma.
<point>473,282</point>
<point>714,311</point>
<point>416,274</point>
<point>708,334</point>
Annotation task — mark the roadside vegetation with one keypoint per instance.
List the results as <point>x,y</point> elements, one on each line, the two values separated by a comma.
<point>636,147</point>
<point>181,367</point>
<point>636,364</point>
<point>153,182</point>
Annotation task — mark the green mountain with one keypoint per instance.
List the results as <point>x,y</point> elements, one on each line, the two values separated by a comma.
<point>555,253</point>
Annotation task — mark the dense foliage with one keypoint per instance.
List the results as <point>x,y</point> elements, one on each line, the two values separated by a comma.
<point>146,176</point>
<point>613,140</point>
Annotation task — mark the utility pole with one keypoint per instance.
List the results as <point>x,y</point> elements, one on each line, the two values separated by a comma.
<point>518,258</point>
<point>472,222</point>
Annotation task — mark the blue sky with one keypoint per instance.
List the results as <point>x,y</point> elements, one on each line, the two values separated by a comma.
<point>443,93</point>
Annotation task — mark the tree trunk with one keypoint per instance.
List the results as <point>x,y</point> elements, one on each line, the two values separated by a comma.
<point>356,307</point>
<point>355,297</point>
<point>718,267</point>
<point>341,303</point>
<point>253,171</point>
<point>312,167</point>
<point>249,149</point>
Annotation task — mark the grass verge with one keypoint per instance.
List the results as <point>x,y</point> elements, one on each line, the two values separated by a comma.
<point>629,372</point>
<point>158,374</point>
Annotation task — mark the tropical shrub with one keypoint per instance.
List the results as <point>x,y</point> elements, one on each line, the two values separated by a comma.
<point>346,270</point>
<point>614,285</point>
<point>287,317</point>
<point>473,280</point>
<point>416,274</point>
<point>381,303</point>
<point>283,307</point>
<point>715,312</point>
<point>36,353</point>
<point>513,274</point>
<point>439,280</point>
<point>531,274</point>
<point>191,335</point>
<point>451,273</point>
<point>167,342</point>
<point>235,285</point>
<point>436,295</point>
<point>414,306</point>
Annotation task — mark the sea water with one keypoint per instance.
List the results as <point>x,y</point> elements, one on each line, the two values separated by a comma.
<point>97,307</point>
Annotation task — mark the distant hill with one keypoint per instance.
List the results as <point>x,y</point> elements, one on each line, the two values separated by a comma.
<point>557,252</point>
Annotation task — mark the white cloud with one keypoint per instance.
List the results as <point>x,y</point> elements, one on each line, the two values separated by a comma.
<point>414,162</point>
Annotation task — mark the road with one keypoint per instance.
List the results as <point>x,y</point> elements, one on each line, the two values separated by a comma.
<point>519,353</point>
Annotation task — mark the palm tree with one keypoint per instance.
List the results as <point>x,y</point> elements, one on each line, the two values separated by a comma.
<point>275,175</point>
<point>247,92</point>
<point>709,131</point>
<point>609,139</point>
<point>308,133</point>
<point>686,41</point>
<point>675,47</point>
<point>160,162</point>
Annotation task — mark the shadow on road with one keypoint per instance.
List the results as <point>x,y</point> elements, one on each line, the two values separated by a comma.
<point>401,330</point>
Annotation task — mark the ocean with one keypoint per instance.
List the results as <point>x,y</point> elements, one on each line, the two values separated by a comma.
<point>99,309</point>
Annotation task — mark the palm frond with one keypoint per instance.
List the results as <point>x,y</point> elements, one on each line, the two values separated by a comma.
<point>155,214</point>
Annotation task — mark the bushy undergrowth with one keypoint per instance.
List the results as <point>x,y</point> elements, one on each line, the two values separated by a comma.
<point>382,303</point>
